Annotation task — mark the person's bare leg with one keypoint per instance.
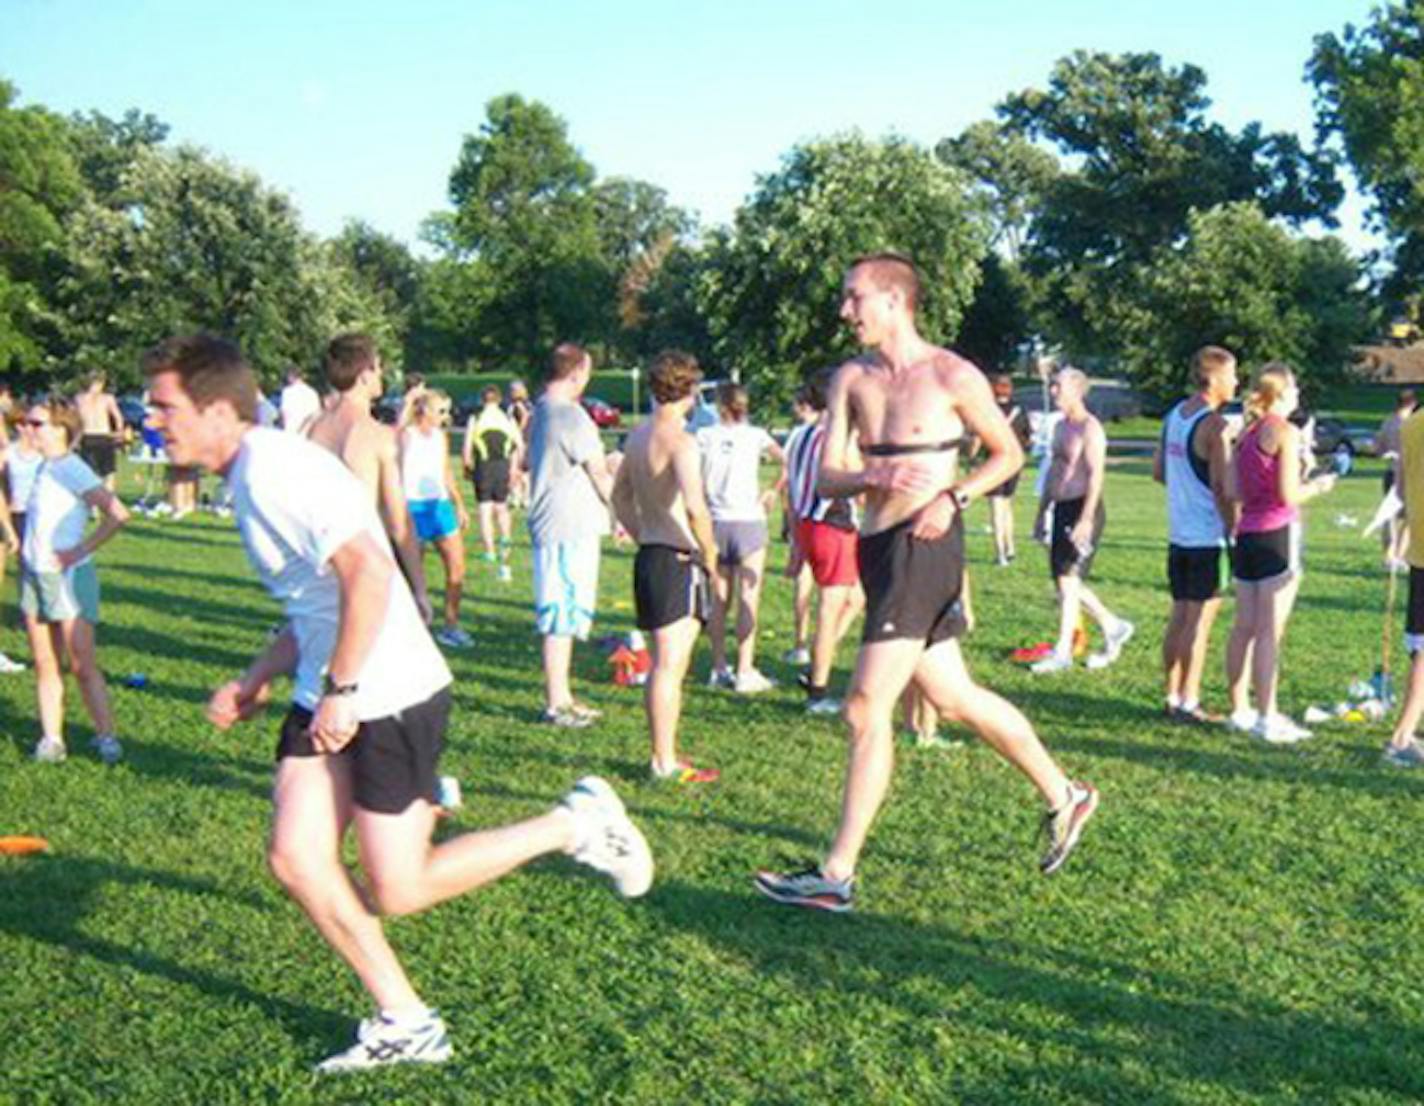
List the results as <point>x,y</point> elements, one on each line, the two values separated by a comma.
<point>750,574</point>
<point>1198,639</point>
<point>407,873</point>
<point>1174,662</point>
<point>487,524</point>
<point>946,682</point>
<point>883,670</point>
<point>501,517</point>
<point>311,809</point>
<point>1069,587</point>
<point>452,556</point>
<point>49,675</point>
<point>78,636</point>
<point>825,638</point>
<point>801,607</point>
<point>1413,705</point>
<point>662,695</point>
<point>1096,608</point>
<point>558,659</point>
<point>1239,647</point>
<point>717,616</point>
<point>1277,597</point>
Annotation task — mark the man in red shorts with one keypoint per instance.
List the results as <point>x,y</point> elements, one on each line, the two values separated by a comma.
<point>825,534</point>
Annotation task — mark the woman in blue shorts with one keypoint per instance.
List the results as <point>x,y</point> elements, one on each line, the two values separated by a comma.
<point>59,588</point>
<point>436,505</point>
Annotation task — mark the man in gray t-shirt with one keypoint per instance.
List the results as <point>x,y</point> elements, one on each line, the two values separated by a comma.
<point>569,488</point>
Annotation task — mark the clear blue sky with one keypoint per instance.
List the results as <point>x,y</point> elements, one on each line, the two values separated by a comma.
<point>357,109</point>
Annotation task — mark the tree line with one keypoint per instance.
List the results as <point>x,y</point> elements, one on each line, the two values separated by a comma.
<point>1104,213</point>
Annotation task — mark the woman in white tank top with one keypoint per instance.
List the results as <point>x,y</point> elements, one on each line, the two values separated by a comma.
<point>436,505</point>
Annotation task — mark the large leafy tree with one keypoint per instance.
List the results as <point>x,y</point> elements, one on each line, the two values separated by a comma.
<point>39,185</point>
<point>1369,84</point>
<point>772,286</point>
<point>1012,172</point>
<point>384,277</point>
<point>1239,280</point>
<point>524,213</point>
<point>1145,156</point>
<point>638,230</point>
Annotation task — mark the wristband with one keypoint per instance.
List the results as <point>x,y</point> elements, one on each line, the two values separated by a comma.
<point>331,689</point>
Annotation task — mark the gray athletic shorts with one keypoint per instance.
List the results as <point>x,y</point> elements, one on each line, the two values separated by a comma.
<point>738,540</point>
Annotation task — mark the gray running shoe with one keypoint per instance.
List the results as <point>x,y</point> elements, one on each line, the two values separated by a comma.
<point>50,750</point>
<point>566,717</point>
<point>1064,825</point>
<point>108,748</point>
<point>1406,756</point>
<point>808,888</point>
<point>380,1042</point>
<point>826,706</point>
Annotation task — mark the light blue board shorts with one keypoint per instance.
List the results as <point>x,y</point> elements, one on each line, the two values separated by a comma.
<point>566,586</point>
<point>61,596</point>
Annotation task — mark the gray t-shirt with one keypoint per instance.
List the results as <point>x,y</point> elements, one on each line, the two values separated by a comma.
<point>563,503</point>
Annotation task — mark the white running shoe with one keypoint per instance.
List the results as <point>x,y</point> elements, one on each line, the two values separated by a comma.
<point>721,678</point>
<point>454,637</point>
<point>50,750</point>
<point>380,1042</point>
<point>752,682</point>
<point>108,748</point>
<point>1243,720</point>
<point>1277,729</point>
<point>799,657</point>
<point>606,839</point>
<point>1054,662</point>
<point>825,706</point>
<point>9,664</point>
<point>1117,637</point>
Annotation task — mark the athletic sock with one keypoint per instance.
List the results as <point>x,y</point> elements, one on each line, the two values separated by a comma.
<point>407,1016</point>
<point>1174,702</point>
<point>1190,705</point>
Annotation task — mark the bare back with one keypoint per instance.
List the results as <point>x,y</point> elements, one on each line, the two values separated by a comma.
<point>98,413</point>
<point>648,461</point>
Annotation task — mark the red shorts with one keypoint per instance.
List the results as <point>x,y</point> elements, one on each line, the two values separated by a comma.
<point>831,552</point>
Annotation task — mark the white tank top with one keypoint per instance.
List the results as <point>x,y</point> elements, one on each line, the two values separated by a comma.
<point>1192,518</point>
<point>423,464</point>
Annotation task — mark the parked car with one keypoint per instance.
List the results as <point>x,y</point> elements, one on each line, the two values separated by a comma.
<point>604,415</point>
<point>1334,434</point>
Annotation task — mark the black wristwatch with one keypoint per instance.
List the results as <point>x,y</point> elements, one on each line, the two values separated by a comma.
<point>330,688</point>
<point>959,497</point>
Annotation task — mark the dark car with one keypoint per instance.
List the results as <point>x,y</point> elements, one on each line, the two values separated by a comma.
<point>604,415</point>
<point>1335,435</point>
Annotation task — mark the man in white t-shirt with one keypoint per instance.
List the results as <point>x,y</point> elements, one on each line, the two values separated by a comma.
<point>569,489</point>
<point>299,403</point>
<point>371,699</point>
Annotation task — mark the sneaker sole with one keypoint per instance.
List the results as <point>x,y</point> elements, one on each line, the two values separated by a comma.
<point>603,793</point>
<point>831,904</point>
<point>1074,832</point>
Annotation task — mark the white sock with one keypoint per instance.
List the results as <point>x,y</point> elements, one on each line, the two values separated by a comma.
<point>1189,705</point>
<point>1173,701</point>
<point>408,1016</point>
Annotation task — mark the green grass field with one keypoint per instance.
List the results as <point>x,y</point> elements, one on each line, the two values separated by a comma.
<point>1236,927</point>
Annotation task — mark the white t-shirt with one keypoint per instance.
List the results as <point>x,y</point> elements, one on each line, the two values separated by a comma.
<point>296,505</point>
<point>56,514</point>
<point>731,460</point>
<point>299,404</point>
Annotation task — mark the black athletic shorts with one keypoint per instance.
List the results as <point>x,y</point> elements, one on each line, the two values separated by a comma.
<point>392,759</point>
<point>1065,558</point>
<point>1006,489</point>
<point>100,453</point>
<point>1414,617</point>
<point>668,585</point>
<point>913,587</point>
<point>491,481</point>
<point>1194,572</point>
<point>1266,554</point>
<point>1387,481</point>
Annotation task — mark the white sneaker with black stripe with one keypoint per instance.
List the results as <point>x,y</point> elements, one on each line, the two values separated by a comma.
<point>381,1041</point>
<point>606,839</point>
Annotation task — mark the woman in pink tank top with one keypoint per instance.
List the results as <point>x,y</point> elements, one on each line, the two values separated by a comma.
<point>1265,478</point>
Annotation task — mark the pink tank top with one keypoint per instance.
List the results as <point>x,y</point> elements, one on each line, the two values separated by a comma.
<point>1259,476</point>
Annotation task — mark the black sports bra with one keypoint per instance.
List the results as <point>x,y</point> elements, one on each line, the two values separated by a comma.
<point>896,449</point>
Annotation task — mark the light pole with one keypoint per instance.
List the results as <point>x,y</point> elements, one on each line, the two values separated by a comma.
<point>634,371</point>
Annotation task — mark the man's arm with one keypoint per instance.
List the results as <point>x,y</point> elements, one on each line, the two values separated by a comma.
<point>837,477</point>
<point>982,418</point>
<point>395,516</point>
<point>687,468</point>
<point>1218,463</point>
<point>363,575</point>
<point>624,503</point>
<point>1052,481</point>
<point>467,450</point>
<point>238,700</point>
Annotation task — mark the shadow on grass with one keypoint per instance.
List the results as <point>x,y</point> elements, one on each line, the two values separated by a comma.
<point>250,774</point>
<point>1180,1029</point>
<point>46,900</point>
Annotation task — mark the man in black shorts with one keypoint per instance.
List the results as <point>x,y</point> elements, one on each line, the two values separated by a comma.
<point>371,698</point>
<point>911,403</point>
<point>493,449</point>
<point>658,498</point>
<point>1001,499</point>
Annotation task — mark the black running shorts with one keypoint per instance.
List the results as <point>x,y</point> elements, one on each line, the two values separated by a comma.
<point>913,587</point>
<point>1005,490</point>
<point>1065,558</point>
<point>1194,573</point>
<point>99,452</point>
<point>491,480</point>
<point>392,759</point>
<point>668,585</point>
<point>1266,554</point>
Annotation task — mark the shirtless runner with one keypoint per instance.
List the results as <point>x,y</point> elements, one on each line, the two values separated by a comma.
<point>1074,490</point>
<point>658,498</point>
<point>101,428</point>
<point>368,449</point>
<point>912,404</point>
